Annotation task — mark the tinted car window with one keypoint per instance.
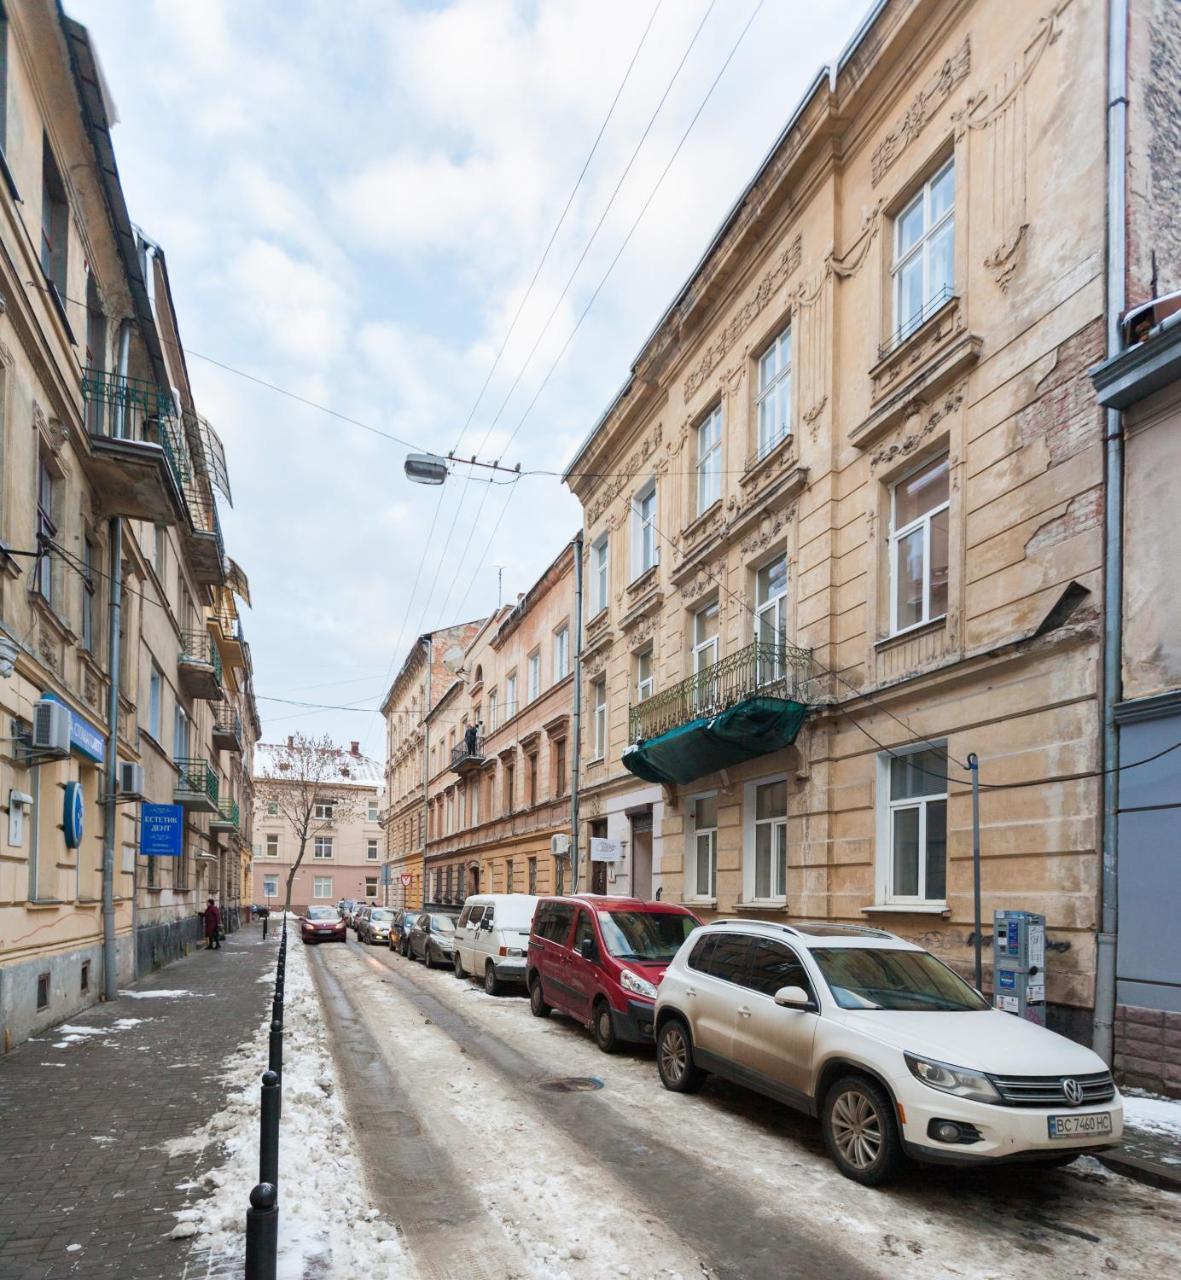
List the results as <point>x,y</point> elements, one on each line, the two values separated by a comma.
<point>477,914</point>
<point>702,950</point>
<point>584,930</point>
<point>729,957</point>
<point>463,917</point>
<point>555,921</point>
<point>774,966</point>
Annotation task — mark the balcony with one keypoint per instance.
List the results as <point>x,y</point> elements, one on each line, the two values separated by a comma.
<point>132,463</point>
<point>204,547</point>
<point>750,703</point>
<point>199,666</point>
<point>196,787</point>
<point>226,817</point>
<point>466,757</point>
<point>226,628</point>
<point>227,731</point>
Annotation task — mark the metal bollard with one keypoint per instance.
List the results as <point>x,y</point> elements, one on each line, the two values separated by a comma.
<point>268,1145</point>
<point>276,1047</point>
<point>262,1232</point>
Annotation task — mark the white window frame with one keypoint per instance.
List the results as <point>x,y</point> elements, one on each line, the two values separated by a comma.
<point>645,552</point>
<point>322,810</point>
<point>155,701</point>
<point>372,852</point>
<point>318,890</point>
<point>533,676</point>
<point>773,392</point>
<point>598,701</point>
<point>775,609</point>
<point>709,460</point>
<point>749,825</point>
<point>600,573</point>
<point>181,733</point>
<point>886,807</point>
<point>906,325</point>
<point>562,652</point>
<point>897,536</point>
<point>322,849</point>
<point>371,883</point>
<point>272,846</point>
<point>270,886</point>
<point>373,811</point>
<point>645,684</point>
<point>692,835</point>
<point>493,708</point>
<point>510,695</point>
<point>701,648</point>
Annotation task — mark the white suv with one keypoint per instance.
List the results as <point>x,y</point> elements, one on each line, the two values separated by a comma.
<point>893,1051</point>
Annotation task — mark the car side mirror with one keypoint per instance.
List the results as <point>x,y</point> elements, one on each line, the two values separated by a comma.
<point>793,998</point>
<point>586,948</point>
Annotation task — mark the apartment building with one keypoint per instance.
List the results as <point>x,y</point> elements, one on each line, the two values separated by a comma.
<point>343,858</point>
<point>844,523</point>
<point>115,584</point>
<point>500,757</point>
<point>426,673</point>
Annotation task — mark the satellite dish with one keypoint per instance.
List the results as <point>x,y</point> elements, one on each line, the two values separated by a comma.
<point>453,658</point>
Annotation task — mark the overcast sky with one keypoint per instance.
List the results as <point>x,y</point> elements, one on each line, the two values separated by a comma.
<point>353,196</point>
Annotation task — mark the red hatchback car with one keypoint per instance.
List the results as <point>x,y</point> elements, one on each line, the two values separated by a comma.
<point>322,924</point>
<point>600,960</point>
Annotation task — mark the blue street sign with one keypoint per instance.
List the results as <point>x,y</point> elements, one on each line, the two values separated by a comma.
<point>73,815</point>
<point>84,737</point>
<point>161,830</point>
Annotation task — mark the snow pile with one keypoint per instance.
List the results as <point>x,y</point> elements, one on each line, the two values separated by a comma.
<point>1156,1115</point>
<point>79,1035</point>
<point>162,995</point>
<point>326,1224</point>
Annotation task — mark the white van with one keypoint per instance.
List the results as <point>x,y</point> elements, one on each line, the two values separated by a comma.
<point>492,938</point>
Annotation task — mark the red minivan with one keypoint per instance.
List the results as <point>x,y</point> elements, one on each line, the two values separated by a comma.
<point>600,960</point>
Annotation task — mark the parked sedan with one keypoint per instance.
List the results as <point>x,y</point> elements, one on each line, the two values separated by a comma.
<point>400,927</point>
<point>897,1055</point>
<point>432,939</point>
<point>358,919</point>
<point>376,925</point>
<point>322,924</point>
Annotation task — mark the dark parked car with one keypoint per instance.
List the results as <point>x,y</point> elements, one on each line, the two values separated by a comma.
<point>375,927</point>
<point>400,927</point>
<point>432,938</point>
<point>322,924</point>
<point>358,918</point>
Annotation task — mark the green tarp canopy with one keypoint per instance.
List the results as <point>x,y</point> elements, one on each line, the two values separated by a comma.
<point>749,729</point>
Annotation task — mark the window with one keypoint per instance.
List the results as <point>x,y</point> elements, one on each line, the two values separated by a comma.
<point>599,574</point>
<point>493,708</point>
<point>180,734</point>
<point>322,887</point>
<point>510,787</point>
<point>510,695</point>
<point>709,461</point>
<point>915,825</point>
<point>532,865</point>
<point>918,546</point>
<point>561,653</point>
<point>270,886</point>
<point>771,619</point>
<point>272,806</point>
<point>705,637</point>
<point>160,552</point>
<point>560,878</point>
<point>924,252</point>
<point>42,991</point>
<point>644,683</point>
<point>765,813</point>
<point>508,875</point>
<point>322,847</point>
<point>85,982</point>
<point>371,850</point>
<point>46,530</point>
<point>532,759</point>
<point>155,701</point>
<point>727,958</point>
<point>474,803</point>
<point>701,856</point>
<point>534,675</point>
<point>373,811</point>
<point>272,846</point>
<point>55,222</point>
<point>773,400</point>
<point>598,701</point>
<point>323,810</point>
<point>88,588</point>
<point>584,931</point>
<point>644,552</point>
<point>774,966</point>
<point>560,767</point>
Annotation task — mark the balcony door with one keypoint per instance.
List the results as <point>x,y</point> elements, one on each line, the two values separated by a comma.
<point>705,659</point>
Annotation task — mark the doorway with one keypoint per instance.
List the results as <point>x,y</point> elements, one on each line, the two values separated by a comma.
<point>642,854</point>
<point>473,876</point>
<point>598,870</point>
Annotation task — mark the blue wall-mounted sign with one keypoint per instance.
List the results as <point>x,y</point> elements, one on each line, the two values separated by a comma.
<point>84,737</point>
<point>161,830</point>
<point>73,814</point>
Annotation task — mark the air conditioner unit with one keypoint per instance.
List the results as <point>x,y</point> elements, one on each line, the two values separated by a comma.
<point>559,846</point>
<point>131,780</point>
<point>51,728</point>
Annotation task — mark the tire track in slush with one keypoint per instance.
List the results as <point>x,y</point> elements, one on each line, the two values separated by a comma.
<point>730,1229</point>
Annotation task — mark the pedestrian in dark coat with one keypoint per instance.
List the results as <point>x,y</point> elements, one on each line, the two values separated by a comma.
<point>212,926</point>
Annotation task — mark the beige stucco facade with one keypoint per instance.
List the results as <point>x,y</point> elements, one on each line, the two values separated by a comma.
<point>957,407</point>
<point>81,444</point>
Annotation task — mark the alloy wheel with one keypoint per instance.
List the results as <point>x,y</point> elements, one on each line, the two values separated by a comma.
<point>857,1128</point>
<point>674,1054</point>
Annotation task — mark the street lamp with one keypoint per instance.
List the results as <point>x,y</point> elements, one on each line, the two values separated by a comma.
<point>425,468</point>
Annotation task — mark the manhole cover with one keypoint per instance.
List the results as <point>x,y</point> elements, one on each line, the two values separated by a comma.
<point>572,1084</point>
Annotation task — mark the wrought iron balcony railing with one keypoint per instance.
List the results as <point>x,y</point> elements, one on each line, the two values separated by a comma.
<point>197,779</point>
<point>128,408</point>
<point>759,670</point>
<point>912,323</point>
<point>227,816</point>
<point>466,753</point>
<point>198,647</point>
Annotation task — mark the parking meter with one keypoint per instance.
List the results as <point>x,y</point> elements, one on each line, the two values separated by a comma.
<point>1019,964</point>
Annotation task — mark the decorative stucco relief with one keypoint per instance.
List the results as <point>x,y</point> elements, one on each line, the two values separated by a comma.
<point>618,482</point>
<point>768,528</point>
<point>784,268</point>
<point>921,423</point>
<point>925,104</point>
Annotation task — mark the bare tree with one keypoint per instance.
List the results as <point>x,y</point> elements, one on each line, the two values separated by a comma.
<point>307,780</point>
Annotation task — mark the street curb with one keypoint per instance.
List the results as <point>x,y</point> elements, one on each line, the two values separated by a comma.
<point>1148,1172</point>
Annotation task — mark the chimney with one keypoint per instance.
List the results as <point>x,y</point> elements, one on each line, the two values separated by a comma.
<point>354,748</point>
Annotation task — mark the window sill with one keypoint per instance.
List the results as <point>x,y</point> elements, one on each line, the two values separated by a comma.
<point>908,909</point>
<point>777,904</point>
<point>643,579</point>
<point>909,633</point>
<point>44,904</point>
<point>699,902</point>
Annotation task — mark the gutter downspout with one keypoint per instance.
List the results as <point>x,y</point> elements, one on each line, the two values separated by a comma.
<point>426,769</point>
<point>576,721</point>
<point>111,763</point>
<point>1113,581</point>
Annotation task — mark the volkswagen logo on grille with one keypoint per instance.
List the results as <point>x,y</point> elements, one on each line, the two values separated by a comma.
<point>1073,1091</point>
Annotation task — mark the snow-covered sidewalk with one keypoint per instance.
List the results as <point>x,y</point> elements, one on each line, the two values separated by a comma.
<point>1151,1147</point>
<point>326,1224</point>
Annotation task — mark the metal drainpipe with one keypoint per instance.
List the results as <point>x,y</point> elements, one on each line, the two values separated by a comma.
<point>111,763</point>
<point>576,721</point>
<point>1113,582</point>
<point>426,770</point>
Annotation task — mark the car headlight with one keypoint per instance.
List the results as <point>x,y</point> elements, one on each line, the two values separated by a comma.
<point>959,1081</point>
<point>640,986</point>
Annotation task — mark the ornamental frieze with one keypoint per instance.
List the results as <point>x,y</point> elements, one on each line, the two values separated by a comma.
<point>619,481</point>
